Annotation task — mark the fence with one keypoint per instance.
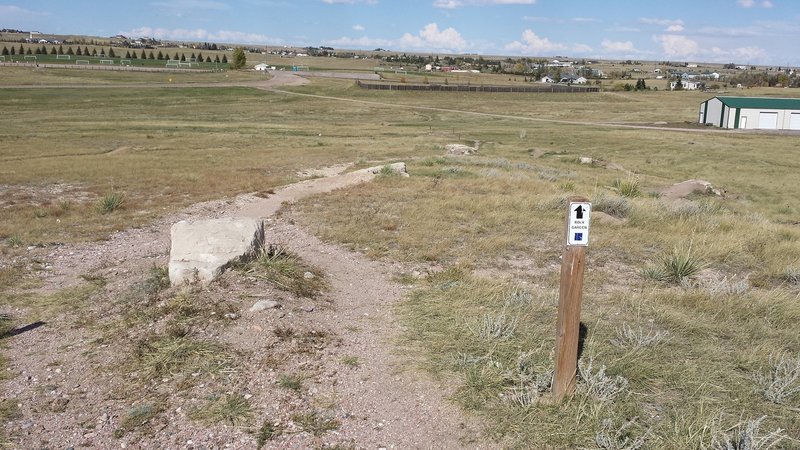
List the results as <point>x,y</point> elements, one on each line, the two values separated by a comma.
<point>559,88</point>
<point>84,65</point>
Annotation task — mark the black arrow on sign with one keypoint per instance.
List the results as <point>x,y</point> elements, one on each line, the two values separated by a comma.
<point>579,210</point>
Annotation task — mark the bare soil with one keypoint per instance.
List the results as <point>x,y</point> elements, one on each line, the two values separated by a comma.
<point>78,379</point>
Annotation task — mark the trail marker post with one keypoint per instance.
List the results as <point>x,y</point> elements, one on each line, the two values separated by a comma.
<point>569,296</point>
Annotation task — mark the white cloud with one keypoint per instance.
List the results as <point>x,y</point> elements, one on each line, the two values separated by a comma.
<point>199,34</point>
<point>677,28</point>
<point>585,19</point>
<point>618,46</point>
<point>362,42</point>
<point>452,4</point>
<point>432,38</point>
<point>621,29</point>
<point>753,3</point>
<point>359,27</point>
<point>661,22</point>
<point>12,13</point>
<point>533,44</point>
<point>675,45</point>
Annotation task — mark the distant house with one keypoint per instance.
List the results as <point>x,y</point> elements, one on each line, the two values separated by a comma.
<point>547,79</point>
<point>688,85</point>
<point>580,80</point>
<point>751,113</point>
<point>262,67</point>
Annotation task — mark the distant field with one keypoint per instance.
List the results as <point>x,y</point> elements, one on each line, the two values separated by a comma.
<point>488,227</point>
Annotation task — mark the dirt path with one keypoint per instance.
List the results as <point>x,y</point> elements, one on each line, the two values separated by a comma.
<point>73,380</point>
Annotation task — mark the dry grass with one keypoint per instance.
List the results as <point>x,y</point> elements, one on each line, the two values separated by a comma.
<point>462,213</point>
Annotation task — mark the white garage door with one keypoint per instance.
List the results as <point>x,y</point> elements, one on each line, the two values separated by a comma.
<point>768,120</point>
<point>794,121</point>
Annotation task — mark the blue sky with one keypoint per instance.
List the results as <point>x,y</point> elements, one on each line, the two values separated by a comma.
<point>739,31</point>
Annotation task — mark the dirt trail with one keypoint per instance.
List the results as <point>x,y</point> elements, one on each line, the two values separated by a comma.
<point>71,393</point>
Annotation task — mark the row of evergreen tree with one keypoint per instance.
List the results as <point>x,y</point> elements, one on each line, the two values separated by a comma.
<point>110,54</point>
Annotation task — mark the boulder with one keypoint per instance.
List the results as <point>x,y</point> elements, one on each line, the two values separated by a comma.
<point>689,187</point>
<point>460,149</point>
<point>398,168</point>
<point>202,250</point>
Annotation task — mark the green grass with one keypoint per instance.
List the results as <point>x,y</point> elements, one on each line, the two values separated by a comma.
<point>166,356</point>
<point>292,382</point>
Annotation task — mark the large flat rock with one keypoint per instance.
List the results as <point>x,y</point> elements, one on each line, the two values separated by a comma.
<point>201,250</point>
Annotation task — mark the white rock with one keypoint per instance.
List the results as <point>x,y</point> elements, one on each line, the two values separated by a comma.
<point>586,160</point>
<point>204,249</point>
<point>263,305</point>
<point>308,276</point>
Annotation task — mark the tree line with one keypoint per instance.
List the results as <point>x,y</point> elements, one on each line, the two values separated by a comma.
<point>36,50</point>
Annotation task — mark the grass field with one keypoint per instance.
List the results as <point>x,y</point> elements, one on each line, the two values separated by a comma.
<point>689,357</point>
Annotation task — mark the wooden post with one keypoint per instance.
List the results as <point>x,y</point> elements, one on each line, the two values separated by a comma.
<point>569,297</point>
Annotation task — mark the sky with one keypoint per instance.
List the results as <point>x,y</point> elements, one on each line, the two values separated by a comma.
<point>761,32</point>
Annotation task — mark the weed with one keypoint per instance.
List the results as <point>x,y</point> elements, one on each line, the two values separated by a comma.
<point>65,206</point>
<point>40,213</point>
<point>315,423</point>
<point>627,336</point>
<point>781,381</point>
<point>518,296</point>
<point>613,206</point>
<point>6,325</point>
<point>136,417</point>
<point>229,409</point>
<point>691,209</point>
<point>747,436</point>
<point>495,327</point>
<point>628,187</point>
<point>9,410</point>
<point>110,203</point>
<point>611,437</point>
<point>267,432</point>
<point>172,355</point>
<point>792,275</point>
<point>677,267</point>
<point>727,286</point>
<point>567,186</point>
<point>293,382</point>
<point>600,386</point>
<point>387,171</point>
<point>284,332</point>
<point>15,241</point>
<point>351,361</point>
<point>287,271</point>
<point>158,279</point>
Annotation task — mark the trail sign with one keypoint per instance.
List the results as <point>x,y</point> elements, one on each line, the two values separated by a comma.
<point>569,297</point>
<point>578,225</point>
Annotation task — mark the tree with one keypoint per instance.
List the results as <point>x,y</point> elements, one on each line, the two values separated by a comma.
<point>28,51</point>
<point>151,56</point>
<point>111,53</point>
<point>678,84</point>
<point>208,59</point>
<point>133,55</point>
<point>5,51</point>
<point>86,51</point>
<point>200,57</point>
<point>70,51</point>
<point>78,51</point>
<point>224,59</point>
<point>60,49</point>
<point>13,51</point>
<point>94,52</point>
<point>143,55</point>
<point>128,55</point>
<point>239,59</point>
<point>183,57</point>
<point>53,51</point>
<point>216,59</point>
<point>22,50</point>
<point>160,55</point>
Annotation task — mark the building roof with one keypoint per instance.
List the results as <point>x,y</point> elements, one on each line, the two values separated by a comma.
<point>761,102</point>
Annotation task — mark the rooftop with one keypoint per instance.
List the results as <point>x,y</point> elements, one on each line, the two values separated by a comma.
<point>761,102</point>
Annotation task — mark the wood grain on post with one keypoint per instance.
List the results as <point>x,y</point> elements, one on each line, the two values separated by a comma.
<point>569,315</point>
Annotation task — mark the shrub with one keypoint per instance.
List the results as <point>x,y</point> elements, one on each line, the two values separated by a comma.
<point>678,266</point>
<point>613,206</point>
<point>747,436</point>
<point>110,203</point>
<point>781,381</point>
<point>628,188</point>
<point>598,385</point>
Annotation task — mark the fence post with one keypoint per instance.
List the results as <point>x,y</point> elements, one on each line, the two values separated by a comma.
<point>569,296</point>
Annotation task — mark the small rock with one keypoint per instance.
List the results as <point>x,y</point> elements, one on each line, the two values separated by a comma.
<point>307,308</point>
<point>308,276</point>
<point>262,305</point>
<point>586,160</point>
<point>231,316</point>
<point>89,435</point>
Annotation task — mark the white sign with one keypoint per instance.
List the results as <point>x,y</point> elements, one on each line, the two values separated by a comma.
<point>578,227</point>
